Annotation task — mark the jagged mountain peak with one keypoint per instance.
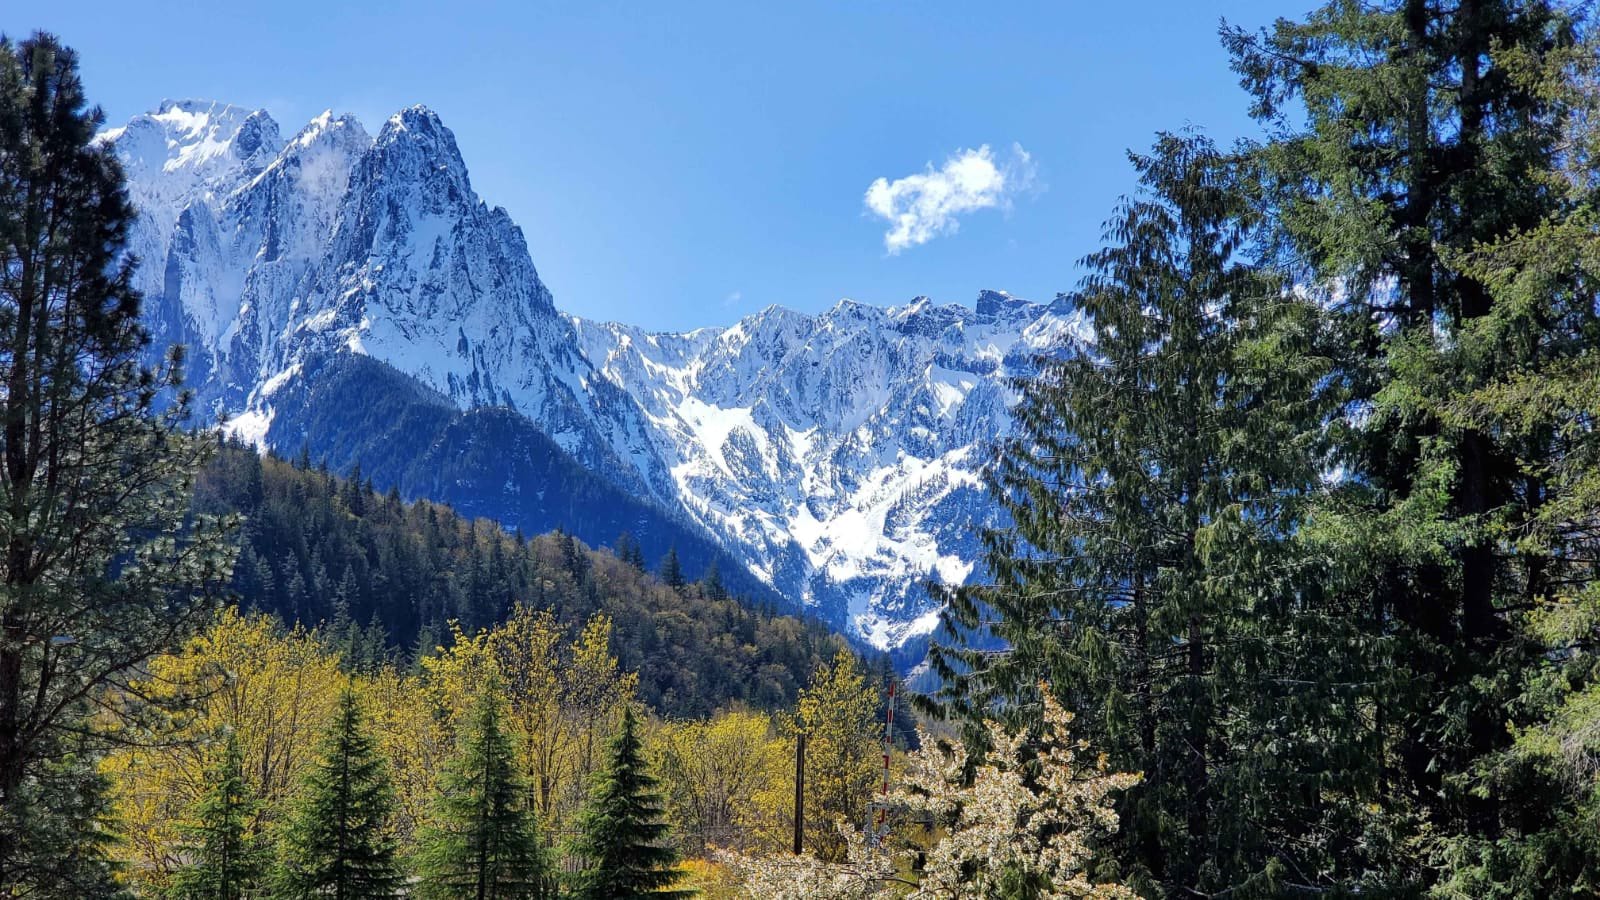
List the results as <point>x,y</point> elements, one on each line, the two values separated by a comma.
<point>344,241</point>
<point>1000,304</point>
<point>838,452</point>
<point>198,106</point>
<point>205,137</point>
<point>327,126</point>
<point>770,316</point>
<point>418,117</point>
<point>195,118</point>
<point>423,135</point>
<point>847,306</point>
<point>416,167</point>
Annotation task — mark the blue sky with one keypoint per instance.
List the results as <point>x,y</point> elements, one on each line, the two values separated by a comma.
<point>680,164</point>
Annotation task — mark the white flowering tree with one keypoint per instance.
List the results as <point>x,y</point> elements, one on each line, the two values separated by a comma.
<point>866,874</point>
<point>1005,832</point>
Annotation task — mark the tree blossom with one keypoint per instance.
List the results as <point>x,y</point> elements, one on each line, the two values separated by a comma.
<point>1026,817</point>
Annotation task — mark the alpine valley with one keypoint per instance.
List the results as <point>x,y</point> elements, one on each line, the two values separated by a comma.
<point>348,294</point>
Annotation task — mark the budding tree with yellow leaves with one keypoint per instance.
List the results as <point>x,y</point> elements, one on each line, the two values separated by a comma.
<point>838,714</point>
<point>273,690</point>
<point>715,772</point>
<point>563,699</point>
<point>270,690</point>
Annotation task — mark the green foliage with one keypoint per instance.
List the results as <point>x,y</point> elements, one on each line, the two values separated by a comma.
<point>66,828</point>
<point>225,859</point>
<point>1418,148</point>
<point>101,568</point>
<point>622,833</point>
<point>711,584</point>
<point>1318,560</point>
<point>1148,574</point>
<point>627,549</point>
<point>1545,679</point>
<point>338,841</point>
<point>1305,537</point>
<point>482,841</point>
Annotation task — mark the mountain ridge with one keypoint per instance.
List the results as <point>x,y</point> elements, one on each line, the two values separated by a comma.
<point>835,455</point>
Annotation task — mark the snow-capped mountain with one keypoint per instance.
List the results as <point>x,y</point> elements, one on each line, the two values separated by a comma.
<point>260,253</point>
<point>836,456</point>
<point>839,453</point>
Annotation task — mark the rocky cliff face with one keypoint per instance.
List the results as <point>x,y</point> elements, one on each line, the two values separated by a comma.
<point>259,253</point>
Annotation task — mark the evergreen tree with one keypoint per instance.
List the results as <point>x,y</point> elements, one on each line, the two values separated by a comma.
<point>341,633</point>
<point>672,570</point>
<point>1408,137</point>
<point>396,569</point>
<point>628,550</point>
<point>429,639</point>
<point>338,841</point>
<point>101,568</point>
<point>1542,781</point>
<point>572,556</point>
<point>223,857</point>
<point>356,491</point>
<point>1152,486</point>
<point>622,835</point>
<point>711,584</point>
<point>482,842</point>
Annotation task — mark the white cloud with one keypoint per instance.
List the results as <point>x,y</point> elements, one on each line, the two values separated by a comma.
<point>923,206</point>
<point>733,299</point>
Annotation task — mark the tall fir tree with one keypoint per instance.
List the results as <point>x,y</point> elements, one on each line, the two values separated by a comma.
<point>628,550</point>
<point>672,570</point>
<point>224,856</point>
<point>711,585</point>
<point>101,567</point>
<point>1148,574</point>
<point>1408,136</point>
<point>482,841</point>
<point>1540,413</point>
<point>622,832</point>
<point>338,841</point>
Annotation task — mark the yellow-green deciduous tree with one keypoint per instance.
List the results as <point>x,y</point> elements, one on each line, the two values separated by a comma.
<point>273,690</point>
<point>563,700</point>
<point>713,772</point>
<point>837,714</point>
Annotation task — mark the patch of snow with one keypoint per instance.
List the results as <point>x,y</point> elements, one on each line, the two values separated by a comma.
<point>250,426</point>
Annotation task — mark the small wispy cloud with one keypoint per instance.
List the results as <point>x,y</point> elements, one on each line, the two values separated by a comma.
<point>923,206</point>
<point>733,299</point>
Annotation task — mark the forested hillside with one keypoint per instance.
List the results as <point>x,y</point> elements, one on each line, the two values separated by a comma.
<point>390,576</point>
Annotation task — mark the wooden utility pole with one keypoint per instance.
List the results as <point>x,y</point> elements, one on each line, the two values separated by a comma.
<point>888,745</point>
<point>799,791</point>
